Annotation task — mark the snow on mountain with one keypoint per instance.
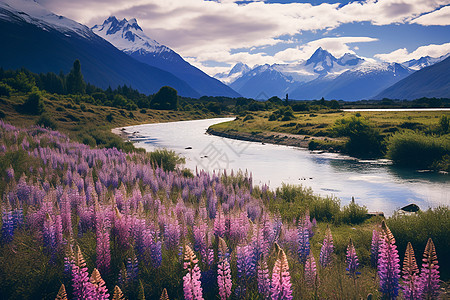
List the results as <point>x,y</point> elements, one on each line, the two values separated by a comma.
<point>128,36</point>
<point>425,61</point>
<point>32,12</point>
<point>236,72</point>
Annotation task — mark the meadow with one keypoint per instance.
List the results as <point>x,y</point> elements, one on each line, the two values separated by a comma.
<point>81,222</point>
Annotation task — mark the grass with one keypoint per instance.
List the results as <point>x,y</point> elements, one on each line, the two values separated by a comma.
<point>87,123</point>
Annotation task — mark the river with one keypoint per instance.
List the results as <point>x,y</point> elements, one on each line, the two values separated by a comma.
<point>375,184</point>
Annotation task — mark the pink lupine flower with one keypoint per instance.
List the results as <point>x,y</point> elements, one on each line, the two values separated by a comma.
<point>281,279</point>
<point>327,249</point>
<point>191,281</point>
<point>429,276</point>
<point>388,264</point>
<point>311,276</point>
<point>224,271</point>
<point>411,279</point>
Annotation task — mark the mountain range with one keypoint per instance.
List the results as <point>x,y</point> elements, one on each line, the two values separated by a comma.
<point>348,77</point>
<point>129,37</point>
<point>41,41</point>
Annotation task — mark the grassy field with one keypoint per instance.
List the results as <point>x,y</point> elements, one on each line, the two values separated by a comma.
<point>88,123</point>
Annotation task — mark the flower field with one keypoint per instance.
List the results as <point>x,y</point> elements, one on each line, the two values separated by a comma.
<point>90,223</point>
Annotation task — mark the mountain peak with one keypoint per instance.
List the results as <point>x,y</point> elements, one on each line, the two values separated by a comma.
<point>128,36</point>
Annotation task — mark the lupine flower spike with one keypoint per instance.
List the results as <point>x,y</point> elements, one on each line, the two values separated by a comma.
<point>311,276</point>
<point>62,294</point>
<point>375,248</point>
<point>388,264</point>
<point>327,249</point>
<point>164,295</point>
<point>429,277</point>
<point>352,261</point>
<point>281,279</point>
<point>141,293</point>
<point>224,271</point>
<point>264,286</point>
<point>100,290</point>
<point>303,239</point>
<point>118,295</point>
<point>191,281</point>
<point>410,286</point>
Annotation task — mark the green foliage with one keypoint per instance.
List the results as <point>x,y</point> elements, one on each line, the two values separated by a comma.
<point>364,139</point>
<point>22,81</point>
<point>46,121</point>
<point>5,89</point>
<point>165,98</point>
<point>75,82</point>
<point>409,148</point>
<point>353,213</point>
<point>34,105</point>
<point>166,159</point>
<point>2,114</point>
<point>417,228</point>
<point>109,117</point>
<point>283,114</point>
<point>444,124</point>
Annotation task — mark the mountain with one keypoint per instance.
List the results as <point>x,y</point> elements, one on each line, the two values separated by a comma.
<point>35,38</point>
<point>432,81</point>
<point>359,83</point>
<point>237,71</point>
<point>129,37</point>
<point>262,83</point>
<point>425,61</point>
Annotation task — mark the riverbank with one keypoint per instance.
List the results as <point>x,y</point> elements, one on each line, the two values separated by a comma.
<point>280,138</point>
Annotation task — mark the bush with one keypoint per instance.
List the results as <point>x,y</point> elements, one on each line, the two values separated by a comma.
<point>2,114</point>
<point>417,150</point>
<point>5,89</point>
<point>46,121</point>
<point>34,105</point>
<point>166,159</point>
<point>353,213</point>
<point>364,140</point>
<point>109,117</point>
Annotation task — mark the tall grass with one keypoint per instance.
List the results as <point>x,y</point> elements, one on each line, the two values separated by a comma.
<point>409,148</point>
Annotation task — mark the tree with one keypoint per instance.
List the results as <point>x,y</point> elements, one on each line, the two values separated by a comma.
<point>75,81</point>
<point>166,98</point>
<point>34,105</point>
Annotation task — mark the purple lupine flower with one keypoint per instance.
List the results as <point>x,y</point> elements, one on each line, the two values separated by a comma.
<point>375,248</point>
<point>245,261</point>
<point>352,261</point>
<point>7,227</point>
<point>132,269</point>
<point>388,264</point>
<point>303,240</point>
<point>82,288</point>
<point>429,276</point>
<point>49,235</point>
<point>9,174</point>
<point>103,247</point>
<point>311,276</point>
<point>224,271</point>
<point>411,279</point>
<point>281,279</point>
<point>264,286</point>
<point>100,292</point>
<point>327,249</point>
<point>156,254</point>
<point>191,281</point>
<point>219,224</point>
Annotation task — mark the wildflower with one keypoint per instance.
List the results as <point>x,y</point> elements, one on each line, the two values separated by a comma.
<point>224,271</point>
<point>311,276</point>
<point>352,261</point>
<point>303,239</point>
<point>410,286</point>
<point>375,248</point>
<point>191,281</point>
<point>388,264</point>
<point>429,277</point>
<point>281,279</point>
<point>327,249</point>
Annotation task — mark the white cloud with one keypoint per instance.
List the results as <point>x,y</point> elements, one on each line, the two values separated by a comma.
<point>337,46</point>
<point>401,55</point>
<point>438,17</point>
<point>209,30</point>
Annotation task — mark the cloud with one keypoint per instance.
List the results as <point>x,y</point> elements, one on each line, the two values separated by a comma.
<point>439,17</point>
<point>401,55</point>
<point>211,30</point>
<point>337,46</point>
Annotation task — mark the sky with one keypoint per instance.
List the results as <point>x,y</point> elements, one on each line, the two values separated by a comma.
<point>216,34</point>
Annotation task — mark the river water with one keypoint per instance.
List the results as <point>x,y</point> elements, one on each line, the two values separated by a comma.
<point>375,184</point>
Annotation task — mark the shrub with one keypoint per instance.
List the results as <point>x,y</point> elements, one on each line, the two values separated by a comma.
<point>364,140</point>
<point>46,121</point>
<point>2,114</point>
<point>109,117</point>
<point>5,89</point>
<point>166,159</point>
<point>417,150</point>
<point>34,105</point>
<point>353,213</point>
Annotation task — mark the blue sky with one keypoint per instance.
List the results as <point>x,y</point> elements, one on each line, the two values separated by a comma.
<point>214,35</point>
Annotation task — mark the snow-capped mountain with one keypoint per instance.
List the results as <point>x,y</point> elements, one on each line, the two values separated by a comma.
<point>425,61</point>
<point>41,41</point>
<point>262,82</point>
<point>362,82</point>
<point>431,81</point>
<point>128,36</point>
<point>237,71</point>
